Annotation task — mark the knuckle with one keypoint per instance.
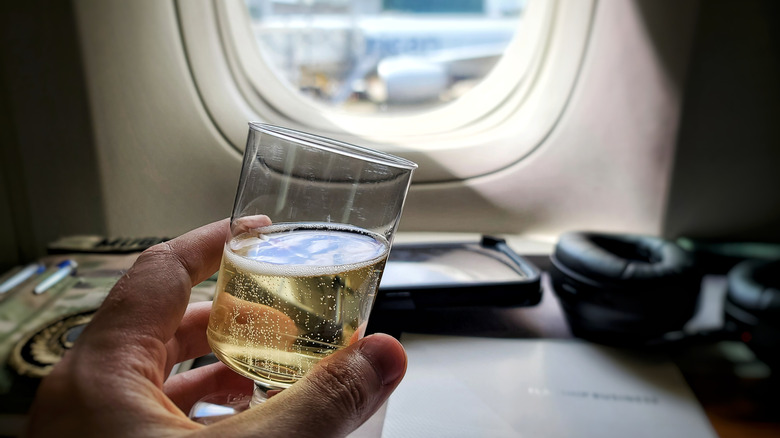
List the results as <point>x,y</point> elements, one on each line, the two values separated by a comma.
<point>145,356</point>
<point>163,255</point>
<point>349,392</point>
<point>161,251</point>
<point>157,250</point>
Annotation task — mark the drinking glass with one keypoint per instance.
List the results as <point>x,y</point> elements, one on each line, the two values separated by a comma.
<point>311,229</point>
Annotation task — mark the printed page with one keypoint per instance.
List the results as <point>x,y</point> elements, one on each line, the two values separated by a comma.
<point>467,387</point>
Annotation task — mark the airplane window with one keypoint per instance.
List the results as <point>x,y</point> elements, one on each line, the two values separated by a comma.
<point>437,82</point>
<point>383,56</point>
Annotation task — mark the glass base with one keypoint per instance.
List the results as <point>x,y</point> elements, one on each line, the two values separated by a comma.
<point>221,405</point>
<point>261,394</point>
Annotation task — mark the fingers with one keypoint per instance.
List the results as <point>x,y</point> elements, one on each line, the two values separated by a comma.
<point>145,307</point>
<point>336,397</point>
<point>189,341</point>
<point>143,310</point>
<point>186,388</point>
<point>248,223</point>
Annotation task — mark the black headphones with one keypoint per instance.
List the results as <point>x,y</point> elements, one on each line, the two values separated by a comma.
<point>752,307</point>
<point>632,290</point>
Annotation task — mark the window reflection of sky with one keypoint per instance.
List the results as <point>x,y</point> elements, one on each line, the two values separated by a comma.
<point>313,248</point>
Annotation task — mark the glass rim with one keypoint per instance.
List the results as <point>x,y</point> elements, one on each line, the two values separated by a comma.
<point>335,146</point>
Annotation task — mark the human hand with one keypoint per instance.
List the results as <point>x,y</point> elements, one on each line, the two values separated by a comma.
<point>112,383</point>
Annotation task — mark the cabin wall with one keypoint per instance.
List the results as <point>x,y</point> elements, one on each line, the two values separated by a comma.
<point>49,184</point>
<point>726,178</point>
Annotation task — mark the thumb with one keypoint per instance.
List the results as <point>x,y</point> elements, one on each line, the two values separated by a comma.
<point>333,399</point>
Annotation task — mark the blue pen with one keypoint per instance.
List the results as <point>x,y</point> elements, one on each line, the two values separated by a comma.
<point>18,278</point>
<point>63,270</point>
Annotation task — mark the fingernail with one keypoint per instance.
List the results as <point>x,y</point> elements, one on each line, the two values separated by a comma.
<point>386,355</point>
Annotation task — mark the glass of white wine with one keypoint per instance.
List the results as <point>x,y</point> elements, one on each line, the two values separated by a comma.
<point>311,229</point>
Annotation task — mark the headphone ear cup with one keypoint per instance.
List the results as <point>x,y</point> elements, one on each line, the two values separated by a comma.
<point>752,306</point>
<point>623,289</point>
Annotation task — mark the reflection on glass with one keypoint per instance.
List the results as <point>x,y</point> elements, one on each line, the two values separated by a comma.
<point>369,56</point>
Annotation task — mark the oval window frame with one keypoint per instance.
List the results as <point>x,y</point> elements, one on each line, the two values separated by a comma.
<point>449,142</point>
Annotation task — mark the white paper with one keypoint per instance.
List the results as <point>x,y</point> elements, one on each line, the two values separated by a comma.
<point>480,387</point>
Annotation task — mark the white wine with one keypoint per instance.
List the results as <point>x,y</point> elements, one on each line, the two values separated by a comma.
<point>289,295</point>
